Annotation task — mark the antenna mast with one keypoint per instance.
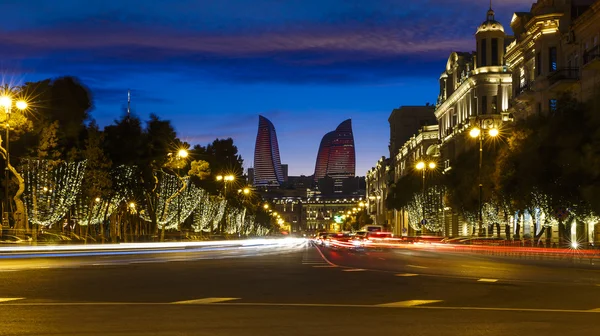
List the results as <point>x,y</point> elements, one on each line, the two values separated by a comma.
<point>128,102</point>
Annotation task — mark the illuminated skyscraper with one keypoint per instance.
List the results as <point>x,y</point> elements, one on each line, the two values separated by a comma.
<point>336,157</point>
<point>267,164</point>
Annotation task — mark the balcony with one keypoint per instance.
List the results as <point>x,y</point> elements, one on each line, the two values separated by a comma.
<point>563,79</point>
<point>591,58</point>
<point>524,92</point>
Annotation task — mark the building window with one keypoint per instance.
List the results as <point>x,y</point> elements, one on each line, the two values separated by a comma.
<point>494,104</point>
<point>483,58</point>
<point>552,62</point>
<point>552,105</point>
<point>495,52</point>
<point>483,105</point>
<point>538,64</point>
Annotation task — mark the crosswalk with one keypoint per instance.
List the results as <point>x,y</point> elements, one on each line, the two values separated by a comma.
<point>311,257</point>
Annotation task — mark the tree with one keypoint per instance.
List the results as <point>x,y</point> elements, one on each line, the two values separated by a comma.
<point>223,158</point>
<point>97,183</point>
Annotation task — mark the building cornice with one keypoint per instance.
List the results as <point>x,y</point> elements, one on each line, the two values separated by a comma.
<point>481,77</point>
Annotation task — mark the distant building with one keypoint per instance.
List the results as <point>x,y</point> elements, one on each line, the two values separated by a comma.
<point>423,145</point>
<point>250,176</point>
<point>267,163</point>
<point>378,183</point>
<point>284,170</point>
<point>336,157</point>
<point>406,121</point>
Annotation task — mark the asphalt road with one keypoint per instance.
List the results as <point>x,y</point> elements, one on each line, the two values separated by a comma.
<point>296,291</point>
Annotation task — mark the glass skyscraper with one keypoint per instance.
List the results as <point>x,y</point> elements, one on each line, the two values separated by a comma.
<point>267,163</point>
<point>336,157</point>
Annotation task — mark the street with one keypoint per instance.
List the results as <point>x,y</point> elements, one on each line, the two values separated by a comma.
<point>300,290</point>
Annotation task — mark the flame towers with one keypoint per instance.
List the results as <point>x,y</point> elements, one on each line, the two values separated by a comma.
<point>267,163</point>
<point>336,157</point>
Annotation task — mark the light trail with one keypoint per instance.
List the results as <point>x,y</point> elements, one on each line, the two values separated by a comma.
<point>15,252</point>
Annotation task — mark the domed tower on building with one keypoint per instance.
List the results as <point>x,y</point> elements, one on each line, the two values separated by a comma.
<point>490,38</point>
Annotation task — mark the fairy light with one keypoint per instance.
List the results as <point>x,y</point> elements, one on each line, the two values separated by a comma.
<point>121,192</point>
<point>182,206</point>
<point>235,220</point>
<point>50,189</point>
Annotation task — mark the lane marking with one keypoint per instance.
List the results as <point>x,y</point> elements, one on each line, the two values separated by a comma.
<point>8,270</point>
<point>407,275</point>
<point>416,266</point>
<point>315,263</point>
<point>596,310</point>
<point>324,266</point>
<point>205,300</point>
<point>324,258</point>
<point>487,280</point>
<point>354,270</point>
<point>409,303</point>
<point>10,299</point>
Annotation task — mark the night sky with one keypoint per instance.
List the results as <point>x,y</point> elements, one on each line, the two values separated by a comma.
<point>213,66</point>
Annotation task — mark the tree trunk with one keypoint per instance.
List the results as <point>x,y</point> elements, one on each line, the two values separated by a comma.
<point>518,227</point>
<point>538,237</point>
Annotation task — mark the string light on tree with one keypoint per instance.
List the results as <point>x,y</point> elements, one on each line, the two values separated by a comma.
<point>50,189</point>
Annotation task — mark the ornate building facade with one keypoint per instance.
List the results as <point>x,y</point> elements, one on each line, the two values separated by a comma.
<point>378,181</point>
<point>475,90</point>
<point>553,42</point>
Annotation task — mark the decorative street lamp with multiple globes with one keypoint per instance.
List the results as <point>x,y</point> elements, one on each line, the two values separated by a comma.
<point>6,103</point>
<point>476,132</point>
<point>423,166</point>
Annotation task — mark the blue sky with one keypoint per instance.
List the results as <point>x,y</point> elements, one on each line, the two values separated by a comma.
<point>211,67</point>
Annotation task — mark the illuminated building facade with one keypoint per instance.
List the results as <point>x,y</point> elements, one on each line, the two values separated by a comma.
<point>423,145</point>
<point>475,90</point>
<point>267,163</point>
<point>554,43</point>
<point>378,182</point>
<point>336,157</point>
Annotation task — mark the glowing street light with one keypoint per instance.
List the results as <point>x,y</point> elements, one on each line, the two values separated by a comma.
<point>225,179</point>
<point>182,153</point>
<point>6,103</point>
<point>475,132</point>
<point>97,200</point>
<point>266,206</point>
<point>423,166</point>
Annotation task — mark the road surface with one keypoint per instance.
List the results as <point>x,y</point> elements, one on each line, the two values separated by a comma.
<point>298,290</point>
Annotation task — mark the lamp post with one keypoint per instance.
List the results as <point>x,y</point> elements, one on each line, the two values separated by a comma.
<point>182,154</point>
<point>423,166</point>
<point>476,132</point>
<point>225,179</point>
<point>6,103</point>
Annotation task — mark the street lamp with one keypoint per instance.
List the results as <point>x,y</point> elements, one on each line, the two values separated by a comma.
<point>182,153</point>
<point>266,206</point>
<point>225,179</point>
<point>477,133</point>
<point>6,103</point>
<point>423,166</point>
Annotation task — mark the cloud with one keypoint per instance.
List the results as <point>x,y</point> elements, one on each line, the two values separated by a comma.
<point>347,46</point>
